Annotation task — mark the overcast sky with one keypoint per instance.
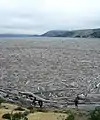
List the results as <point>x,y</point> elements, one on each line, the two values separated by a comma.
<point>39,16</point>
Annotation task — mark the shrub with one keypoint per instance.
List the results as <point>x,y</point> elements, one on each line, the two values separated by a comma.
<point>26,113</point>
<point>70,116</point>
<point>19,109</point>
<point>19,116</point>
<point>67,112</point>
<point>56,111</point>
<point>42,110</point>
<point>31,109</point>
<point>15,116</point>
<point>1,100</point>
<point>95,114</point>
<point>6,116</point>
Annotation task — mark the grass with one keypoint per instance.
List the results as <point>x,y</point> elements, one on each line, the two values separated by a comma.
<point>15,116</point>
<point>94,114</point>
<point>45,113</point>
<point>19,109</point>
<point>47,116</point>
<point>38,114</point>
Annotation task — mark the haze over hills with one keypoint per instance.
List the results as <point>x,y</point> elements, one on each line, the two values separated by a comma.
<point>85,33</point>
<point>17,35</point>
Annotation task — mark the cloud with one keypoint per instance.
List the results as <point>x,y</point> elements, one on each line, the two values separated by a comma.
<point>38,16</point>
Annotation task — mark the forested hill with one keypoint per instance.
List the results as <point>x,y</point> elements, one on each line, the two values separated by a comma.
<point>86,33</point>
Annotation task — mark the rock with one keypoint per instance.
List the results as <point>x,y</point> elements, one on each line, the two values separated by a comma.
<point>82,96</point>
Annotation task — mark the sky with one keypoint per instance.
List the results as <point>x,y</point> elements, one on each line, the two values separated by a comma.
<point>40,16</point>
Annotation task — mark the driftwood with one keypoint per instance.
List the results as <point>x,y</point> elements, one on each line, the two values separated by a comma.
<point>26,98</point>
<point>35,96</point>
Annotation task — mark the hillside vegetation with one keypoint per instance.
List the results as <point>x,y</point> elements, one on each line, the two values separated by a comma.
<point>18,113</point>
<point>86,33</point>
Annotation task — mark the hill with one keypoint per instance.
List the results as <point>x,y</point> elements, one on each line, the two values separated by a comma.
<point>86,33</point>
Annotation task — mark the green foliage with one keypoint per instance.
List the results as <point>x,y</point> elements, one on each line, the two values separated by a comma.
<point>70,116</point>
<point>56,111</point>
<point>68,112</point>
<point>95,114</point>
<point>15,116</point>
<point>34,109</point>
<point>31,109</point>
<point>42,110</point>
<point>19,109</point>
<point>26,113</point>
<point>1,100</point>
<point>6,116</point>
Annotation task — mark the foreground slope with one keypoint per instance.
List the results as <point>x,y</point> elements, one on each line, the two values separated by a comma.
<point>45,114</point>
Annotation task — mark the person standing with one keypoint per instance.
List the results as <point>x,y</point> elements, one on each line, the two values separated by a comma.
<point>76,102</point>
<point>34,101</point>
<point>40,102</point>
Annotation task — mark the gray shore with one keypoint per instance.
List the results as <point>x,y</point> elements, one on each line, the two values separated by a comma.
<point>55,69</point>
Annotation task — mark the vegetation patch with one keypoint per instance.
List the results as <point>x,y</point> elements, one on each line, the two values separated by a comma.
<point>1,100</point>
<point>95,114</point>
<point>36,109</point>
<point>19,109</point>
<point>42,110</point>
<point>7,116</point>
<point>15,116</point>
<point>70,116</point>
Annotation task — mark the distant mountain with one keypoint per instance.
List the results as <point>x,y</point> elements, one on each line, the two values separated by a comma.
<point>18,35</point>
<point>86,33</point>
